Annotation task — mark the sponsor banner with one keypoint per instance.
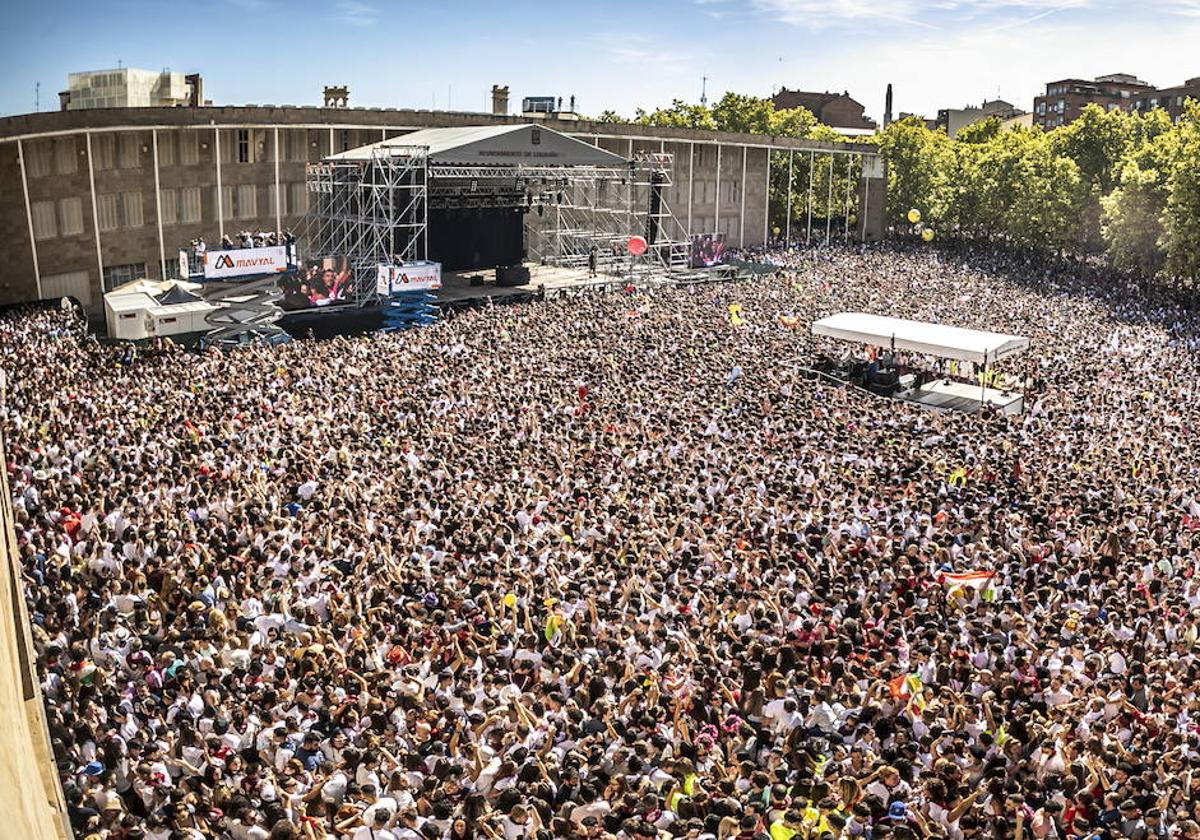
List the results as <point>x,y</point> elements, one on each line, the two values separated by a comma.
<point>410,277</point>
<point>183,265</point>
<point>245,262</point>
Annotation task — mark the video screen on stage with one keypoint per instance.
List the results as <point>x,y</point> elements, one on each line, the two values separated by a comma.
<point>708,249</point>
<point>327,281</point>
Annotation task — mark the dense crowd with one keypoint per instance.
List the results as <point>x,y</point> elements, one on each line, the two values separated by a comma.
<point>613,567</point>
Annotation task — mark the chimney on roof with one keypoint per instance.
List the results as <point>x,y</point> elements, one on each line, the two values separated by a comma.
<point>337,96</point>
<point>195,84</point>
<point>500,100</point>
<point>64,100</point>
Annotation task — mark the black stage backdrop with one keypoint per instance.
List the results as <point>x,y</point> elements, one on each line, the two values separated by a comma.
<point>462,239</point>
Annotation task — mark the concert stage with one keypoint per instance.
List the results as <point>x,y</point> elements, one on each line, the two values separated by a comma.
<point>946,395</point>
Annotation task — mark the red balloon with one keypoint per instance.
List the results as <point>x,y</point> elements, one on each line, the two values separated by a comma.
<point>637,245</point>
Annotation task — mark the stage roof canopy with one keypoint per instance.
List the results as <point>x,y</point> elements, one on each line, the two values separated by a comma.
<point>920,337</point>
<point>495,145</point>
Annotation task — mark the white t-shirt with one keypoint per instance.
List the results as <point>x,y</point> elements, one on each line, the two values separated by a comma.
<point>368,833</point>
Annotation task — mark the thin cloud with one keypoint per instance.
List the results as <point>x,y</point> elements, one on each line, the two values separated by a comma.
<point>641,52</point>
<point>357,13</point>
<point>940,14</point>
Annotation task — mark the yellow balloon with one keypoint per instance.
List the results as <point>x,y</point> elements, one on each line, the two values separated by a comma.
<point>914,215</point>
<point>510,600</point>
<point>775,230</point>
<point>927,234</point>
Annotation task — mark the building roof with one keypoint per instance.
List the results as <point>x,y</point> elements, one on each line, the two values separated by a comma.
<point>817,103</point>
<point>495,144</point>
<point>920,336</point>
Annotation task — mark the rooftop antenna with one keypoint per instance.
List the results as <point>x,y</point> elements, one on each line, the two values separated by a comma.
<point>119,64</point>
<point>37,97</point>
<point>704,91</point>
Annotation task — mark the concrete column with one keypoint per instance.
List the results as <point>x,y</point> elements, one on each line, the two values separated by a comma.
<point>691,168</point>
<point>220,193</point>
<point>95,213</point>
<point>787,234</point>
<point>717,200</point>
<point>37,274</point>
<point>812,157</point>
<point>767,203</point>
<point>742,220</point>
<point>829,202</point>
<point>162,251</point>
<point>278,194</point>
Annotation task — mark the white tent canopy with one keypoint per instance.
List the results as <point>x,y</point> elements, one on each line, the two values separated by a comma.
<point>920,337</point>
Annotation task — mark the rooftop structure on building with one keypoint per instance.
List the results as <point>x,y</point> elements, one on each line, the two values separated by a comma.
<point>1065,99</point>
<point>953,120</point>
<point>131,87</point>
<point>836,110</point>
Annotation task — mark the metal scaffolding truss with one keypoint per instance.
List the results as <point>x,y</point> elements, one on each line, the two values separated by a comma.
<point>370,210</point>
<point>581,208</point>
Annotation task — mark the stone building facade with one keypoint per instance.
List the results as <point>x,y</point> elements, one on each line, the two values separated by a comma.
<point>91,199</point>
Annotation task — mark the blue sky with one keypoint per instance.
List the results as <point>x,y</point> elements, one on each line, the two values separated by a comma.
<point>616,54</point>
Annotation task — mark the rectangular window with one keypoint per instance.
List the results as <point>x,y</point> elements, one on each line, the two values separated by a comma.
<point>247,201</point>
<point>118,275</point>
<point>75,284</point>
<point>70,214</point>
<point>131,206</point>
<point>44,226</point>
<point>271,197</point>
<point>108,212</point>
<point>66,160</point>
<point>189,148</point>
<point>300,144</point>
<point>166,148</point>
<point>38,158</point>
<point>103,146</point>
<point>345,139</point>
<point>299,203</point>
<point>129,152</point>
<point>225,197</point>
<point>168,206</point>
<point>243,145</point>
<point>189,205</point>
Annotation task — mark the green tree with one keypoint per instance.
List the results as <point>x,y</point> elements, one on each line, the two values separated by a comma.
<point>1131,219</point>
<point>792,122</point>
<point>744,114</point>
<point>610,117</point>
<point>1181,220</point>
<point>984,131</point>
<point>679,115</point>
<point>913,154</point>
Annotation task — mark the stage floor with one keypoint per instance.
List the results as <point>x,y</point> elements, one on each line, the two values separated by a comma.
<point>458,286</point>
<point>959,396</point>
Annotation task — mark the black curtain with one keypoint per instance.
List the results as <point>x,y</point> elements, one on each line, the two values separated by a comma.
<point>467,238</point>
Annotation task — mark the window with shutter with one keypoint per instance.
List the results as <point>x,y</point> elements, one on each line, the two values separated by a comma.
<point>66,158</point>
<point>189,205</point>
<point>107,214</point>
<point>132,208</point>
<point>168,206</point>
<point>44,225</point>
<point>247,201</point>
<point>189,148</point>
<point>70,214</point>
